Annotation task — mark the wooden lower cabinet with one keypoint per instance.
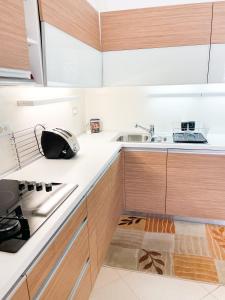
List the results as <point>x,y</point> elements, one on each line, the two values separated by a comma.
<point>20,292</point>
<point>84,290</point>
<point>66,276</point>
<point>104,205</point>
<point>145,181</point>
<point>195,185</point>
<point>40,271</point>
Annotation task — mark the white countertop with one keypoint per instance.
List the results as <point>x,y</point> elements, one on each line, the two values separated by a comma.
<point>97,152</point>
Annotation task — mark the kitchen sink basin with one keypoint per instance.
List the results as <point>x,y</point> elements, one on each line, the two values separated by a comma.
<point>140,138</point>
<point>133,138</point>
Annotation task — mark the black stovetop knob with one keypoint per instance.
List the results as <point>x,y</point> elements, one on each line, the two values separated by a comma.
<point>39,187</point>
<point>48,187</point>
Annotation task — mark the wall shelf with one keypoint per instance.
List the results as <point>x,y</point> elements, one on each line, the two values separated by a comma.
<point>36,102</point>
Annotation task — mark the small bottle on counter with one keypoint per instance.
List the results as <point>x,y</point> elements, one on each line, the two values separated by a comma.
<point>95,125</point>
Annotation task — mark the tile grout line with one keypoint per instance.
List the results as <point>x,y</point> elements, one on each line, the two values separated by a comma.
<point>128,286</point>
<point>113,280</point>
<point>118,279</point>
<point>211,293</point>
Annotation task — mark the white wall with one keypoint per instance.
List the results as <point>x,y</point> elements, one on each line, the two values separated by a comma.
<point>111,5</point>
<point>121,108</point>
<point>19,118</point>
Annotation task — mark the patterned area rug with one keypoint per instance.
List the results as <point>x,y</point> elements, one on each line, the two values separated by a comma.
<point>166,247</point>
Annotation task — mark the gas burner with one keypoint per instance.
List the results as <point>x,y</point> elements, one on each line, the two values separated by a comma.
<point>9,227</point>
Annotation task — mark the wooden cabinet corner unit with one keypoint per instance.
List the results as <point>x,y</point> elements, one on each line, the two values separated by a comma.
<point>104,203</point>
<point>177,183</point>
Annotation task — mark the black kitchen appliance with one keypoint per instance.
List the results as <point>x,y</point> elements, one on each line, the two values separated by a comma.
<point>189,134</point>
<point>24,207</point>
<point>189,137</point>
<point>59,143</point>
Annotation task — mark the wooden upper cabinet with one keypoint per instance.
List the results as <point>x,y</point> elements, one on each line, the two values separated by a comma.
<point>157,27</point>
<point>195,185</point>
<point>14,48</point>
<point>75,17</point>
<point>145,181</point>
<point>218,25</point>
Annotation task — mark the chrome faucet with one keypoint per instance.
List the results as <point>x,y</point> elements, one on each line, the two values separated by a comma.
<point>150,130</point>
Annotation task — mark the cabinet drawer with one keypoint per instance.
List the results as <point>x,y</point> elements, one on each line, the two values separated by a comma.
<point>65,276</point>
<point>39,273</point>
<point>84,289</point>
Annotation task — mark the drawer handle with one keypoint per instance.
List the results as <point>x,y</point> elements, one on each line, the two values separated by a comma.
<point>81,276</point>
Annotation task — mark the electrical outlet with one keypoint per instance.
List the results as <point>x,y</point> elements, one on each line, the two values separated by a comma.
<point>4,129</point>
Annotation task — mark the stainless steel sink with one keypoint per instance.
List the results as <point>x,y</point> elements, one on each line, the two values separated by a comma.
<point>133,138</point>
<point>140,138</point>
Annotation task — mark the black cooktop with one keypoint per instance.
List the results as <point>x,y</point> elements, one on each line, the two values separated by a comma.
<point>24,207</point>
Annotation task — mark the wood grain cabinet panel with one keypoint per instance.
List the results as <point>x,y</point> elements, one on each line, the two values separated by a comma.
<point>14,49</point>
<point>21,291</point>
<point>195,185</point>
<point>96,210</point>
<point>157,27</point>
<point>77,18</point>
<point>104,205</point>
<point>218,25</point>
<point>145,181</point>
<point>38,274</point>
<point>63,281</point>
<point>84,289</point>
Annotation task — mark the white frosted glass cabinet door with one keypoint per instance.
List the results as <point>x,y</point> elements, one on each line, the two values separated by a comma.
<point>217,55</point>
<point>159,66</point>
<point>217,64</point>
<point>157,45</point>
<point>68,61</point>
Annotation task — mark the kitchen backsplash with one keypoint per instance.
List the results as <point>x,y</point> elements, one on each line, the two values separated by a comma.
<point>68,115</point>
<point>122,108</point>
<point>118,108</point>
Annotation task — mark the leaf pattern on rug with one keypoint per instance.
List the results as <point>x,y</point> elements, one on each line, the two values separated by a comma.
<point>150,258</point>
<point>219,236</point>
<point>131,221</point>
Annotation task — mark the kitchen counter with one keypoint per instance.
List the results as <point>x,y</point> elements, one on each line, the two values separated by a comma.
<point>96,154</point>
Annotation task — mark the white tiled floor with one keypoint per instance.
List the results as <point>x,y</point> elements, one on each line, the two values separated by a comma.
<point>116,284</point>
